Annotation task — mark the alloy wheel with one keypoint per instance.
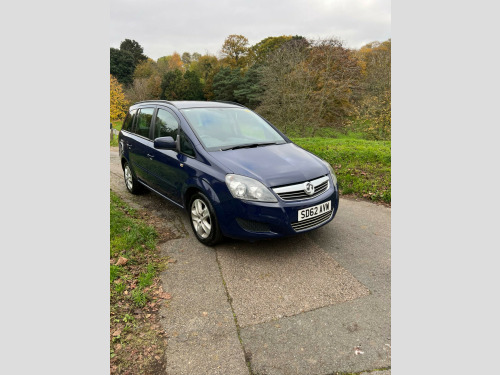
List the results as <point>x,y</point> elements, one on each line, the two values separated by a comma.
<point>200,216</point>
<point>128,178</point>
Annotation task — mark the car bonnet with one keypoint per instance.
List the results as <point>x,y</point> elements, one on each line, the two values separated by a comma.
<point>274,165</point>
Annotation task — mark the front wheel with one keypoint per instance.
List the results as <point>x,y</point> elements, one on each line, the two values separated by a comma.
<point>203,220</point>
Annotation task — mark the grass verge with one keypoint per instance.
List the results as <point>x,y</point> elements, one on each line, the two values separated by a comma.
<point>137,341</point>
<point>116,125</point>
<point>363,167</point>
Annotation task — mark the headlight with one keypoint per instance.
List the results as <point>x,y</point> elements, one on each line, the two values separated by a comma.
<point>334,178</point>
<point>246,188</point>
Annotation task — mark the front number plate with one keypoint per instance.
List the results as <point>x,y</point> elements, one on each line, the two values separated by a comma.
<point>313,211</point>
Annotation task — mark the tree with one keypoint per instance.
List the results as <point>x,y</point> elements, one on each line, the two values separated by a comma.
<point>186,59</point>
<point>144,89</point>
<point>173,86</point>
<point>374,106</point>
<point>226,82</point>
<point>286,87</point>
<point>146,69</point>
<point>206,66</point>
<point>375,62</point>
<point>118,104</point>
<point>234,50</point>
<point>309,85</point>
<point>260,51</point>
<point>175,62</point>
<point>135,49</point>
<point>122,65</point>
<point>336,78</point>
<point>250,90</point>
<point>194,88</point>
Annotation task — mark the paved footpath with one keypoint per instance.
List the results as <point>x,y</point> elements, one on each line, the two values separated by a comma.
<point>313,304</point>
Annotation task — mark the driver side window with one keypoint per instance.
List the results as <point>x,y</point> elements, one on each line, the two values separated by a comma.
<point>166,125</point>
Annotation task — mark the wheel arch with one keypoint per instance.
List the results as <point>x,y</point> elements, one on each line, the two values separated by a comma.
<point>204,187</point>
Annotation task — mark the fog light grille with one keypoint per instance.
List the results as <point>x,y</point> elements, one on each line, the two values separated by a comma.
<point>252,226</point>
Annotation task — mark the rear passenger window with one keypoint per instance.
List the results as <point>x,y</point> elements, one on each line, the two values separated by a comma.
<point>127,123</point>
<point>166,125</point>
<point>144,121</point>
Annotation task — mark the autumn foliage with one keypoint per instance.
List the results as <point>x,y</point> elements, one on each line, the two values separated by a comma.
<point>118,103</point>
<point>305,87</point>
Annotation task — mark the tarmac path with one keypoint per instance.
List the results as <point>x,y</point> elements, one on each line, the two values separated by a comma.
<point>317,303</point>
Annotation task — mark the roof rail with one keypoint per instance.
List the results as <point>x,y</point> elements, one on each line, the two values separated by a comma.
<point>228,102</point>
<point>157,100</point>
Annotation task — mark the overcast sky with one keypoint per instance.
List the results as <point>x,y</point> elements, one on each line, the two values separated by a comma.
<point>164,26</point>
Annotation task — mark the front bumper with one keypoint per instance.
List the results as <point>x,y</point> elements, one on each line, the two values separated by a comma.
<point>249,220</point>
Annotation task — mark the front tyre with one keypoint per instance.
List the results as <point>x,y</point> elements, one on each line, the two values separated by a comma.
<point>203,220</point>
<point>131,182</point>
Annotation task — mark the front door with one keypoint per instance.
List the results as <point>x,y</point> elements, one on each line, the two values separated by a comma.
<point>165,164</point>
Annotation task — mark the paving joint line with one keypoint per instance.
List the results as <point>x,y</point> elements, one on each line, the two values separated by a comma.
<point>360,372</point>
<point>238,332</point>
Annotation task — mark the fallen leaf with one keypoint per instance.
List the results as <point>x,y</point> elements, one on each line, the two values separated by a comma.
<point>205,313</point>
<point>121,261</point>
<point>157,357</point>
<point>117,332</point>
<point>172,260</point>
<point>165,295</point>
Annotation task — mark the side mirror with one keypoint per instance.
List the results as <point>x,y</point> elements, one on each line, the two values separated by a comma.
<point>165,143</point>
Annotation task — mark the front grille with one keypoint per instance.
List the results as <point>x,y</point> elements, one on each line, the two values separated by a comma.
<point>296,192</point>
<point>312,222</point>
<point>252,226</point>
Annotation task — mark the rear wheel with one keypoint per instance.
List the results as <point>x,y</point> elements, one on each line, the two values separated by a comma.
<point>203,220</point>
<point>130,181</point>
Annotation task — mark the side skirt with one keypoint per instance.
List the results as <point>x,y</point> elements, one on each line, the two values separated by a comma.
<point>160,194</point>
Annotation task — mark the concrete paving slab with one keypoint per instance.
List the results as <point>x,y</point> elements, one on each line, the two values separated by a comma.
<point>278,278</point>
<point>322,341</point>
<point>382,372</point>
<point>198,319</point>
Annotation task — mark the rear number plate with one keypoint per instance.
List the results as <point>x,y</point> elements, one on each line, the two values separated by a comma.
<point>313,211</point>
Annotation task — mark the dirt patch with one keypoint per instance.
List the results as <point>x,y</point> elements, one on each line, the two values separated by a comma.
<point>137,339</point>
<point>353,197</point>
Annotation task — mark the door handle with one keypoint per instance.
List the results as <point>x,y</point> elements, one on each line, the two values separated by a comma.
<point>129,145</point>
<point>151,156</point>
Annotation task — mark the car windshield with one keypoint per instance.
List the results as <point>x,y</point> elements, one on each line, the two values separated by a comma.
<point>228,128</point>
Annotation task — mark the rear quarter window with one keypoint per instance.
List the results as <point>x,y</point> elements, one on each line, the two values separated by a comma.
<point>127,123</point>
<point>186,146</point>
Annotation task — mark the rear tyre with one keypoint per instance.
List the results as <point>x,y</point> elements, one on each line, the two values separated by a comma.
<point>203,220</point>
<point>131,182</point>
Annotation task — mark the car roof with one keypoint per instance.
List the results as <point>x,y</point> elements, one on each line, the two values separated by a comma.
<point>183,104</point>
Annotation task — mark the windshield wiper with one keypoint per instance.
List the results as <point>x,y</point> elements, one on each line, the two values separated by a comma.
<point>248,145</point>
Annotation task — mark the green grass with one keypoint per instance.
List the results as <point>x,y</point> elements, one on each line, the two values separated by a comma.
<point>135,334</point>
<point>128,234</point>
<point>363,167</point>
<point>118,126</point>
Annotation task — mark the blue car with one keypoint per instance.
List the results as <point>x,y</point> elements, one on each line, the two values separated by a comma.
<point>234,172</point>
